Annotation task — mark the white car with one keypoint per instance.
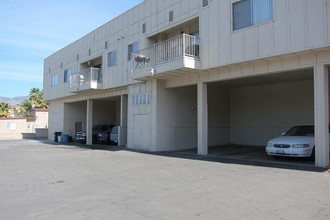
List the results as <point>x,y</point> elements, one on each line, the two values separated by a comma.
<point>298,141</point>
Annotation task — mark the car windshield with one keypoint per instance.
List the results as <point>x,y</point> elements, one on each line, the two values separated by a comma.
<point>306,130</point>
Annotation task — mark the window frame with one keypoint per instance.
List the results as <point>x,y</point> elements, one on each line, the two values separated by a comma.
<point>130,50</point>
<point>67,74</point>
<point>112,58</point>
<point>10,126</point>
<point>252,24</point>
<point>144,28</point>
<point>54,80</point>
<point>170,16</point>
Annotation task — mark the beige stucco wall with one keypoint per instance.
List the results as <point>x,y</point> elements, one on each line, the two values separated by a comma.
<point>218,115</point>
<point>41,119</point>
<point>297,25</point>
<point>21,126</point>
<point>56,118</point>
<point>74,112</point>
<point>140,120</point>
<point>259,113</point>
<point>119,33</point>
<point>105,112</point>
<point>176,118</point>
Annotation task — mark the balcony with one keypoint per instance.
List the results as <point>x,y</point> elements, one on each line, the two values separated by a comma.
<point>177,53</point>
<point>86,79</point>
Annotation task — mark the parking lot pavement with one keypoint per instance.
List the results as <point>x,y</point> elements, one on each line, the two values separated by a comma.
<point>255,155</point>
<point>53,181</point>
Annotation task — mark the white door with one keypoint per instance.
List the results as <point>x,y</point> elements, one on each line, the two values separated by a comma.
<point>141,131</point>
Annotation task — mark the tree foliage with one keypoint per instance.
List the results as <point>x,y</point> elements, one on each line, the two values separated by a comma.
<point>4,110</point>
<point>35,100</point>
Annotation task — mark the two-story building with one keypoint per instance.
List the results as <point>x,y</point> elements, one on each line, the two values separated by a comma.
<point>184,74</point>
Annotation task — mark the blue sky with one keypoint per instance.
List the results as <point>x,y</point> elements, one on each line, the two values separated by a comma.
<point>31,30</point>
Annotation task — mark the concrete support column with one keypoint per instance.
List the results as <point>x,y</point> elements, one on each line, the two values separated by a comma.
<point>202,119</point>
<point>154,114</point>
<point>89,124</point>
<point>123,110</point>
<point>123,120</point>
<point>321,111</point>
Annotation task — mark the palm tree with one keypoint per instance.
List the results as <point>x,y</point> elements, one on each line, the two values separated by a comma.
<point>4,110</point>
<point>36,99</point>
<point>25,108</point>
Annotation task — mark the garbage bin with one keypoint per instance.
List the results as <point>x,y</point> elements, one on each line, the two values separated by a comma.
<point>65,138</point>
<point>57,135</point>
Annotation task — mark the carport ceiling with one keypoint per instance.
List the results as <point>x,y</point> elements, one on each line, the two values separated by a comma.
<point>292,76</point>
<point>112,98</point>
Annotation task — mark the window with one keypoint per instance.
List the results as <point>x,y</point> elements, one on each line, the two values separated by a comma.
<point>205,3</point>
<point>141,99</point>
<point>67,74</point>
<point>251,12</point>
<point>132,48</point>
<point>106,45</point>
<point>54,80</point>
<point>144,27</point>
<point>89,52</point>
<point>112,58</point>
<point>77,57</point>
<point>170,16</point>
<point>10,126</point>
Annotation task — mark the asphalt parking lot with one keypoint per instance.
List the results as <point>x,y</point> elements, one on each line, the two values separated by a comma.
<point>254,155</point>
<point>41,180</point>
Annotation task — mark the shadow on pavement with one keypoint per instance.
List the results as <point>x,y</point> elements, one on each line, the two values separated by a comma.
<point>231,154</point>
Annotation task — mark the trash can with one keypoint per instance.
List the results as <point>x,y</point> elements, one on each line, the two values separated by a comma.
<point>57,136</point>
<point>65,138</point>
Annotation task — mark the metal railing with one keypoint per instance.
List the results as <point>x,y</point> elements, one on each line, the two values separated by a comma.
<point>86,79</point>
<point>166,51</point>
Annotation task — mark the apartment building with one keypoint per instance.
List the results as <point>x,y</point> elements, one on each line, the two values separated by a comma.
<point>183,74</point>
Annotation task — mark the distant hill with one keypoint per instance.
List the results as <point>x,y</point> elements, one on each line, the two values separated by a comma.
<point>13,101</point>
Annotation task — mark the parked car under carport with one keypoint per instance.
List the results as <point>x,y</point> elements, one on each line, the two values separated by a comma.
<point>298,141</point>
<point>96,130</point>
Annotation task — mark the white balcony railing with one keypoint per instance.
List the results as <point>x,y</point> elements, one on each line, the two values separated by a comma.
<point>167,51</point>
<point>86,79</point>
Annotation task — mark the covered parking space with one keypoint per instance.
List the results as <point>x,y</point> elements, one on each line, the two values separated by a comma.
<point>253,110</point>
<point>250,111</point>
<point>83,115</point>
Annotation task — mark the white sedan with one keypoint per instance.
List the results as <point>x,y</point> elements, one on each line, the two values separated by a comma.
<point>297,142</point>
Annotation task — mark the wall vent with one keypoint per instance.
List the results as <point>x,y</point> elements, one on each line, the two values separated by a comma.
<point>205,3</point>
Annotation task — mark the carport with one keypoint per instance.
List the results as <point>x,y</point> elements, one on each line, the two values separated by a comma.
<point>83,115</point>
<point>249,111</point>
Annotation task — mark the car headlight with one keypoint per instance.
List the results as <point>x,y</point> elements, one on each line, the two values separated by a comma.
<point>300,145</point>
<point>269,145</point>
